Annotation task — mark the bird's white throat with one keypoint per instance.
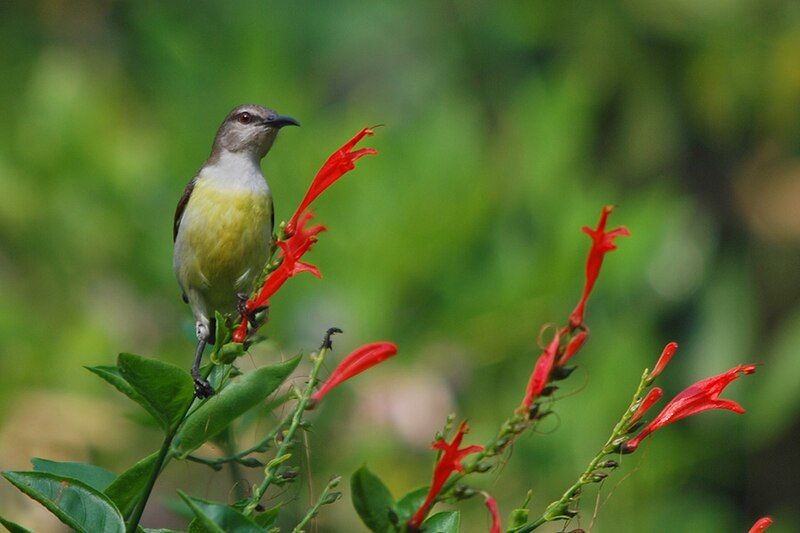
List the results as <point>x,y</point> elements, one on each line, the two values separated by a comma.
<point>235,171</point>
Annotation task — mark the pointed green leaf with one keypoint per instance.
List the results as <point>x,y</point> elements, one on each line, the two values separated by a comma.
<point>201,523</point>
<point>111,374</point>
<point>76,504</point>
<point>124,491</point>
<point>165,388</point>
<point>94,476</point>
<point>224,517</point>
<point>268,518</point>
<point>444,522</point>
<point>220,410</point>
<point>13,527</point>
<point>408,504</point>
<point>372,500</point>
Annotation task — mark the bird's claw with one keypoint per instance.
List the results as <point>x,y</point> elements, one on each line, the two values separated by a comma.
<point>249,314</point>
<point>202,388</point>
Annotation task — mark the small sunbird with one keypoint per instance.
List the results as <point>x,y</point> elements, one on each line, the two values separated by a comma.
<point>223,224</point>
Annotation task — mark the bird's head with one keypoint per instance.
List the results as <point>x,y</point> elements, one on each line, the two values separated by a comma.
<point>250,129</point>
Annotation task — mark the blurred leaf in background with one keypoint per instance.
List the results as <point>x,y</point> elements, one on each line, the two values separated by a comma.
<point>507,128</point>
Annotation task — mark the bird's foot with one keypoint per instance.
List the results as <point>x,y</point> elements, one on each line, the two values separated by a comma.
<point>202,388</point>
<point>248,314</point>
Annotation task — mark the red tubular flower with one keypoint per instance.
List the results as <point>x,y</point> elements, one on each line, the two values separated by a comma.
<point>574,344</point>
<point>338,164</point>
<point>357,362</point>
<point>491,504</point>
<point>541,372</point>
<point>292,249</point>
<point>666,356</point>
<point>652,397</point>
<point>602,243</point>
<point>701,396</point>
<point>761,524</point>
<point>449,462</point>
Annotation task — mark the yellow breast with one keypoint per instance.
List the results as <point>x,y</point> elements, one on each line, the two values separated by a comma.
<point>223,241</point>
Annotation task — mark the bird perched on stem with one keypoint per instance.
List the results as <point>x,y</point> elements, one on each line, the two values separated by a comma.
<point>223,223</point>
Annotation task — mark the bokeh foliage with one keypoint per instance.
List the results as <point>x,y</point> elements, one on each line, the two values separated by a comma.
<point>507,128</point>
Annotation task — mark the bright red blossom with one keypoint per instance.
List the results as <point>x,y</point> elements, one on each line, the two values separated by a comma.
<point>652,397</point>
<point>357,362</point>
<point>491,504</point>
<point>291,250</point>
<point>574,344</point>
<point>541,372</point>
<point>449,462</point>
<point>701,396</point>
<point>666,356</point>
<point>761,524</point>
<point>602,243</point>
<point>338,164</point>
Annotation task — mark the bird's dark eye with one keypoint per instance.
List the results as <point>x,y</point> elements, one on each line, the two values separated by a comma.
<point>245,118</point>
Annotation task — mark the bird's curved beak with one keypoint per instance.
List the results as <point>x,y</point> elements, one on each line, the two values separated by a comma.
<point>279,121</point>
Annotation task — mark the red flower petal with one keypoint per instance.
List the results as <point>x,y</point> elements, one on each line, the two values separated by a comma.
<point>541,372</point>
<point>339,163</point>
<point>358,361</point>
<point>449,462</point>
<point>491,504</point>
<point>761,524</point>
<point>574,344</point>
<point>652,397</point>
<point>292,249</point>
<point>666,356</point>
<point>602,243</point>
<point>701,396</point>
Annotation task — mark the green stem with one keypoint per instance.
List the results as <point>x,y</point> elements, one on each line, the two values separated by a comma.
<point>161,462</point>
<point>237,457</point>
<point>559,509</point>
<point>282,454</point>
<point>324,499</point>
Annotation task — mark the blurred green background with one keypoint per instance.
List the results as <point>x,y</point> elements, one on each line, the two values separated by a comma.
<point>507,128</point>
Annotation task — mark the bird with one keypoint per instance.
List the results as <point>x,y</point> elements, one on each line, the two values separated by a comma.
<point>223,225</point>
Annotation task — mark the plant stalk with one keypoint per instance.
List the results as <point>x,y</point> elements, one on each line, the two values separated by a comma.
<point>282,454</point>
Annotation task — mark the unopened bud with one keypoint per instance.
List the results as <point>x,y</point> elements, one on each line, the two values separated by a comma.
<point>331,498</point>
<point>549,390</point>
<point>634,427</point>
<point>463,492</point>
<point>251,462</point>
<point>482,467</point>
<point>608,464</point>
<point>563,372</point>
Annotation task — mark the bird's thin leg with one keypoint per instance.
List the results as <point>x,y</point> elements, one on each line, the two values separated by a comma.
<point>202,388</point>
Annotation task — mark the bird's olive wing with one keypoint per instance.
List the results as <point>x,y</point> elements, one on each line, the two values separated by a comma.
<point>187,193</point>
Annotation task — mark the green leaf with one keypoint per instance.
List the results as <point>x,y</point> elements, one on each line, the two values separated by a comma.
<point>408,504</point>
<point>519,517</point>
<point>444,522</point>
<point>223,517</point>
<point>111,374</point>
<point>166,389</point>
<point>372,500</point>
<point>220,410</point>
<point>76,504</point>
<point>125,490</point>
<point>268,518</point>
<point>94,476</point>
<point>13,527</point>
